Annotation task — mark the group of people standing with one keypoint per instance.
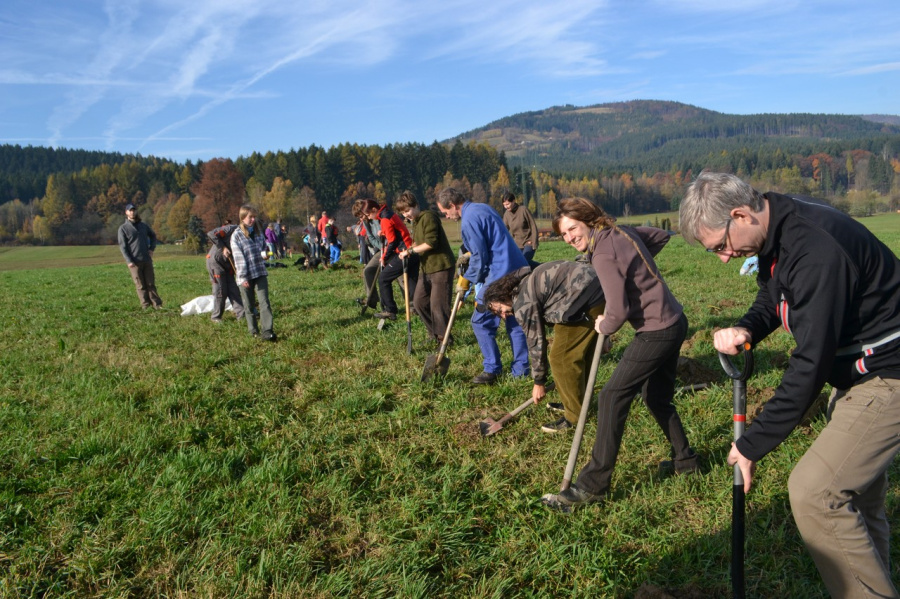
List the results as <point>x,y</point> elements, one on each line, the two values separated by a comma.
<point>822,276</point>
<point>321,239</point>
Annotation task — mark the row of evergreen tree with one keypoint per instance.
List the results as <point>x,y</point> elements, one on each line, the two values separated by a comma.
<point>83,202</point>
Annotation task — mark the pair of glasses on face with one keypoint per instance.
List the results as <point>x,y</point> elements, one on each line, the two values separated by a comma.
<point>722,246</point>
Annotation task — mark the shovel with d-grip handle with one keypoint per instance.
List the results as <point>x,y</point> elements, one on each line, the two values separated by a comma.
<point>739,383</point>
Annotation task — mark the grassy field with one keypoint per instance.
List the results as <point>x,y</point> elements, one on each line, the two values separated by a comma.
<point>146,454</point>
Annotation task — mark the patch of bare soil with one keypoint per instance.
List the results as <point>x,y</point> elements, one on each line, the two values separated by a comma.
<point>757,398</point>
<point>691,372</point>
<point>466,433</point>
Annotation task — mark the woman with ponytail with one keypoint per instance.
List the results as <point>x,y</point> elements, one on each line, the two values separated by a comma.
<point>635,293</point>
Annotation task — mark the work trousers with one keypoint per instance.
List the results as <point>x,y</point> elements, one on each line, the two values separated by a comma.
<point>432,301</point>
<point>364,254</point>
<point>485,325</point>
<point>570,356</point>
<point>838,490</point>
<point>224,288</point>
<point>393,270</point>
<point>145,284</point>
<point>370,277</point>
<point>647,366</point>
<point>260,286</point>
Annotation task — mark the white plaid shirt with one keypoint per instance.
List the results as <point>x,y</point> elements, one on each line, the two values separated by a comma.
<point>249,263</point>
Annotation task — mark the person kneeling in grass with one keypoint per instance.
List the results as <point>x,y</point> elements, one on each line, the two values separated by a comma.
<point>567,295</point>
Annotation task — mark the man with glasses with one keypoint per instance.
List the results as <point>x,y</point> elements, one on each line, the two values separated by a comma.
<point>836,289</point>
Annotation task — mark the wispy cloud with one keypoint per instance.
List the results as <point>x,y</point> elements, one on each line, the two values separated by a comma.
<point>558,43</point>
<point>876,68</point>
<point>152,70</point>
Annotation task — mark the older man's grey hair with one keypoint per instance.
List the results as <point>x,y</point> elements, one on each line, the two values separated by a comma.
<point>448,196</point>
<point>709,200</point>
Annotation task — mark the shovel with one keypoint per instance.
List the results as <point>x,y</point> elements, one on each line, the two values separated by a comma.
<point>406,298</point>
<point>439,363</point>
<point>551,499</point>
<point>582,417</point>
<point>739,382</point>
<point>490,426</point>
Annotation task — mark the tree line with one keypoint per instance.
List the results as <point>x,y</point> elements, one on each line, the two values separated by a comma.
<point>83,203</point>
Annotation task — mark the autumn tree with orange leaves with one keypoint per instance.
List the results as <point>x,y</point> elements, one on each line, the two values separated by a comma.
<point>219,193</point>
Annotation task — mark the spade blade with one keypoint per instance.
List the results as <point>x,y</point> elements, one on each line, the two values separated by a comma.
<point>435,366</point>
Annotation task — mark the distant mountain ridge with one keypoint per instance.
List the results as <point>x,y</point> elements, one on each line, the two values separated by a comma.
<point>651,135</point>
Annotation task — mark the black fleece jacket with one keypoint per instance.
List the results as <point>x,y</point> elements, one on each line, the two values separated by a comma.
<point>834,286</point>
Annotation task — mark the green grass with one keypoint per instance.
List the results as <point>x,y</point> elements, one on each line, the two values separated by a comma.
<point>149,454</point>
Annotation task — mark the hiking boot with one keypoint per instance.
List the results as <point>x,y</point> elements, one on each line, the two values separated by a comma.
<point>574,496</point>
<point>555,406</point>
<point>385,315</point>
<point>560,425</point>
<point>270,337</point>
<point>485,378</point>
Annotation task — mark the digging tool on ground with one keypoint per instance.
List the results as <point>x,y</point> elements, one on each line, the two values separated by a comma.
<point>489,426</point>
<point>406,298</point>
<point>439,363</point>
<point>739,384</point>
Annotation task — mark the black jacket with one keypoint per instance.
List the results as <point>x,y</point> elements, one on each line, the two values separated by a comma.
<point>835,287</point>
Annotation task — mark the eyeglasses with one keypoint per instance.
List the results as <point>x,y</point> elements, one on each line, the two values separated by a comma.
<point>722,246</point>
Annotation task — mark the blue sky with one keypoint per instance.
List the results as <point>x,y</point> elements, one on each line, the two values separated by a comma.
<point>224,78</point>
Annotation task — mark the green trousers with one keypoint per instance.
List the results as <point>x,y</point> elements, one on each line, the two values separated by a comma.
<point>570,359</point>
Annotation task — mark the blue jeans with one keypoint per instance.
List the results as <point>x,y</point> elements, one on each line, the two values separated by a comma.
<point>335,253</point>
<point>528,252</point>
<point>485,325</point>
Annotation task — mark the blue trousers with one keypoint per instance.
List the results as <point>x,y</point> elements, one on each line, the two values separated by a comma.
<point>485,325</point>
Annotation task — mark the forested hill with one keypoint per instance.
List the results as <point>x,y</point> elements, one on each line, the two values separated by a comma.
<point>649,136</point>
<point>24,171</point>
<point>629,157</point>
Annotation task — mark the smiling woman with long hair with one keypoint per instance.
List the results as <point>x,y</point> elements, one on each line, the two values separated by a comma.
<point>635,293</point>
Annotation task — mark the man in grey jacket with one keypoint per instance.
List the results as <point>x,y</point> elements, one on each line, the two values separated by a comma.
<point>137,242</point>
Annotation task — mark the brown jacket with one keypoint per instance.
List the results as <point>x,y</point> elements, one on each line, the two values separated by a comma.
<point>634,293</point>
<point>521,226</point>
